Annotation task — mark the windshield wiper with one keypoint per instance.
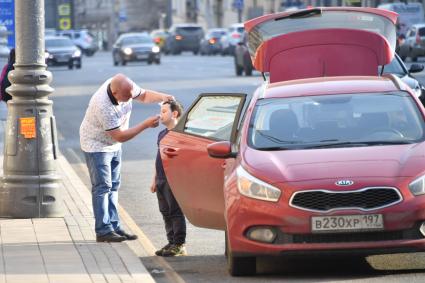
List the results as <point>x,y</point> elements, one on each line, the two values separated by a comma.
<point>358,143</point>
<point>276,140</point>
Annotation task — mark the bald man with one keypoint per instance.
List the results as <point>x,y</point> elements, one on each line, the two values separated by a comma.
<point>105,126</point>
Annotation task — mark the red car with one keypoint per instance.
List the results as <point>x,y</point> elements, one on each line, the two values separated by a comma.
<point>325,157</point>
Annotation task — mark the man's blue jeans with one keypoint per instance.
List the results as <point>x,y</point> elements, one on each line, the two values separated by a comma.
<point>105,176</point>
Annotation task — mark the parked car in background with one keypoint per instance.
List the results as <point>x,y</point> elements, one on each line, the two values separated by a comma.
<point>184,37</point>
<point>408,14</point>
<point>131,47</point>
<point>414,43</point>
<point>211,44</point>
<point>4,49</point>
<point>398,68</point>
<point>159,36</point>
<point>61,51</point>
<point>233,37</point>
<point>321,160</point>
<point>50,32</point>
<point>242,58</point>
<point>83,39</point>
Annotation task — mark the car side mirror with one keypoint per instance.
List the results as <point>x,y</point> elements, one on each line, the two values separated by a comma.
<point>416,68</point>
<point>222,149</point>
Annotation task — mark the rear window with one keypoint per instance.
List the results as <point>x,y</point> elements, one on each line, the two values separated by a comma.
<point>422,31</point>
<point>321,19</point>
<point>189,30</point>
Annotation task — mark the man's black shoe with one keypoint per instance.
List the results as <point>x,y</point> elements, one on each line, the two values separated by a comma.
<point>110,237</point>
<point>127,236</point>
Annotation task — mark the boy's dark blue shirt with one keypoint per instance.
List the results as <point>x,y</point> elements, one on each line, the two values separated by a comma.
<point>160,174</point>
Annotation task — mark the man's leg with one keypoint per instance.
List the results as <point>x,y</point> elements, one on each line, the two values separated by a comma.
<point>99,165</point>
<point>113,195</point>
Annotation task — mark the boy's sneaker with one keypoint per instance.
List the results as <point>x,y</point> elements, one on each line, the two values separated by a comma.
<point>175,250</point>
<point>164,248</point>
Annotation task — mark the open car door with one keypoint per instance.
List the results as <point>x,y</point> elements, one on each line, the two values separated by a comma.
<point>195,178</point>
<point>318,42</point>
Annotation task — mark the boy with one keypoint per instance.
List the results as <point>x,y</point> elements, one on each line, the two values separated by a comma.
<point>175,223</point>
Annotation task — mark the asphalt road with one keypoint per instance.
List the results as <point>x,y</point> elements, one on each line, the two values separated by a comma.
<point>185,77</point>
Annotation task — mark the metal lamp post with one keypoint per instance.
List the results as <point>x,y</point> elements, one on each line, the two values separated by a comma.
<point>30,185</point>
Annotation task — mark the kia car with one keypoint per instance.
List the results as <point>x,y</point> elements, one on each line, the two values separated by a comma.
<point>325,157</point>
<point>61,51</point>
<point>131,47</point>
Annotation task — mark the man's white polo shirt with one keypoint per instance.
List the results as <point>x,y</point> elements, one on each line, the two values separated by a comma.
<point>104,114</point>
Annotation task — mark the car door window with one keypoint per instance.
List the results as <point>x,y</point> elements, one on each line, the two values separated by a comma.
<point>213,117</point>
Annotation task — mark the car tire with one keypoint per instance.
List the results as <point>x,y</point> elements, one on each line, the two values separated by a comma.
<point>78,66</point>
<point>158,61</point>
<point>240,266</point>
<point>71,66</point>
<point>195,52</point>
<point>123,62</point>
<point>149,62</point>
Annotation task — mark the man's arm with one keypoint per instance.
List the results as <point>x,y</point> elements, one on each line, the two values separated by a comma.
<point>151,96</point>
<point>125,135</point>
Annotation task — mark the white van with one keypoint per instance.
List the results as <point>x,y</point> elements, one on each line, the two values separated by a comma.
<point>408,14</point>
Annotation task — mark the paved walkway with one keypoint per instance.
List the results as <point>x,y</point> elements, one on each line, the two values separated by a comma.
<point>64,249</point>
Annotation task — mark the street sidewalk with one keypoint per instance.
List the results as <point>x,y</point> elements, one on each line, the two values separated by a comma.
<point>64,249</point>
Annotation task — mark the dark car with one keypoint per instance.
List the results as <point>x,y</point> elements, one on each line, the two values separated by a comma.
<point>211,44</point>
<point>413,44</point>
<point>61,51</point>
<point>398,68</point>
<point>243,63</point>
<point>135,47</point>
<point>184,37</point>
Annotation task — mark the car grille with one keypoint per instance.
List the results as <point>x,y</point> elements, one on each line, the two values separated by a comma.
<point>142,50</point>
<point>365,199</point>
<point>408,234</point>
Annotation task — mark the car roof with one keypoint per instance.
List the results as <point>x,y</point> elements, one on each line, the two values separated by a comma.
<point>128,34</point>
<point>333,85</point>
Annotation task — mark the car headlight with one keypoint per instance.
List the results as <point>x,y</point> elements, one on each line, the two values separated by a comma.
<point>127,51</point>
<point>77,53</point>
<point>252,187</point>
<point>155,49</point>
<point>417,187</point>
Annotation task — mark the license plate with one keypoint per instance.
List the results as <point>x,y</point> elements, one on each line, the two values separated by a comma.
<point>142,56</point>
<point>342,223</point>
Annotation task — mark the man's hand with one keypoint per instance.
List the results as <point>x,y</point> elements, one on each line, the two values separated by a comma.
<point>167,97</point>
<point>152,122</point>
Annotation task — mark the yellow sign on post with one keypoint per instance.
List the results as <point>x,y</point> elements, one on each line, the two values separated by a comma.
<point>27,126</point>
<point>64,24</point>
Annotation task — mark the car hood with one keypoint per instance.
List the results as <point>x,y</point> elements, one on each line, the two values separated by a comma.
<point>139,45</point>
<point>313,164</point>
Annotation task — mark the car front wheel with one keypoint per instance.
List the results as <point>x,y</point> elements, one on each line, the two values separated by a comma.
<point>239,266</point>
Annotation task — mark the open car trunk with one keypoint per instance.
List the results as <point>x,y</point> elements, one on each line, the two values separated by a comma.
<point>322,42</point>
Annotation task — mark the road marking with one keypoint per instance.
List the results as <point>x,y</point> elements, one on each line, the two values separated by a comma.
<point>143,240</point>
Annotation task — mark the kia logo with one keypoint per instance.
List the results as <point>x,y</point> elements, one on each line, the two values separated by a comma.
<point>344,183</point>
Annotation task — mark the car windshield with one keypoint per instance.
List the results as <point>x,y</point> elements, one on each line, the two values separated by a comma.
<point>60,42</point>
<point>136,40</point>
<point>344,120</point>
<point>216,34</point>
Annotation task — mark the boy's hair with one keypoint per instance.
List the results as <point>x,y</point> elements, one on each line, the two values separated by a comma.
<point>175,106</point>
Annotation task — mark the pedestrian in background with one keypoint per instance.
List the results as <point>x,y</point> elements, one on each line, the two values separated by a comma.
<point>175,223</point>
<point>5,83</point>
<point>105,126</point>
